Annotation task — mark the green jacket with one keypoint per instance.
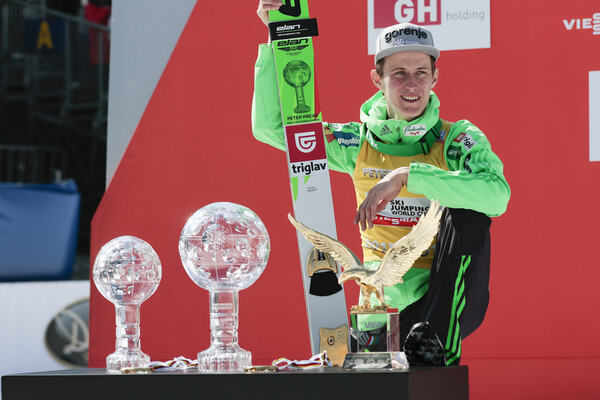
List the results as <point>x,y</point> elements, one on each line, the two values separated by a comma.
<point>474,179</point>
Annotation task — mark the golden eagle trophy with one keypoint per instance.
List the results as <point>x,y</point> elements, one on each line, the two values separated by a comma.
<point>375,329</point>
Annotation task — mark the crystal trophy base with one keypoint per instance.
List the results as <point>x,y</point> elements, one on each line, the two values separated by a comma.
<point>375,360</point>
<point>374,338</point>
<point>124,358</point>
<point>231,358</point>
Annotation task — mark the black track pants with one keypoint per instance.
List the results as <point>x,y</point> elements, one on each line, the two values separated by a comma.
<point>458,296</point>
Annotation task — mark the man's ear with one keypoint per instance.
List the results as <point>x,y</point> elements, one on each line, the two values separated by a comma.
<point>376,79</point>
<point>436,76</point>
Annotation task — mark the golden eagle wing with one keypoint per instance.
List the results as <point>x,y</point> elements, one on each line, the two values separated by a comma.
<point>403,254</point>
<point>340,253</point>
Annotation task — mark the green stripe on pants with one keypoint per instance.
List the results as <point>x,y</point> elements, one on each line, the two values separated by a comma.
<point>453,342</point>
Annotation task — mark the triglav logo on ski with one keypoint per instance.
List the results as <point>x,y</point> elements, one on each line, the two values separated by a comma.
<point>305,141</point>
<point>455,25</point>
<point>592,23</point>
<point>306,148</point>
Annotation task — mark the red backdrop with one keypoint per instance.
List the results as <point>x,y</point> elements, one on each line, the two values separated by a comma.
<point>528,93</point>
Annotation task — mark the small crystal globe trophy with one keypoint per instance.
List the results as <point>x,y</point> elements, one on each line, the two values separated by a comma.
<point>224,248</point>
<point>297,74</point>
<point>127,271</point>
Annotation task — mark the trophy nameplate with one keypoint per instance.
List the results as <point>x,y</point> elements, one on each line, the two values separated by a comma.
<point>335,342</point>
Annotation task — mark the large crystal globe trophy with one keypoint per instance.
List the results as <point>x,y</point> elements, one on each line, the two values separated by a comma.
<point>127,271</point>
<point>224,248</point>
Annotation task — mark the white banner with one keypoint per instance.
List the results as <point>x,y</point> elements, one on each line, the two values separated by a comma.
<point>28,309</point>
<point>455,24</point>
<point>594,110</point>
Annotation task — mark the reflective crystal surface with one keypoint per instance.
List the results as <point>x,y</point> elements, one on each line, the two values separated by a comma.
<point>224,248</point>
<point>383,336</point>
<point>127,271</point>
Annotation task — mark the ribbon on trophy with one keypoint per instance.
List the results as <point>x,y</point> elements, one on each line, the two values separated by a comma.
<point>316,361</point>
<point>178,363</point>
<point>183,363</point>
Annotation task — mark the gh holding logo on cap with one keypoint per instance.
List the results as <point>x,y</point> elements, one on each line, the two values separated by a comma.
<point>405,69</point>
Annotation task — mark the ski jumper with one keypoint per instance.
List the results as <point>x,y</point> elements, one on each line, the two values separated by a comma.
<point>450,162</point>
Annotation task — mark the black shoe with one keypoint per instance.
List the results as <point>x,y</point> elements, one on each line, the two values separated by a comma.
<point>423,347</point>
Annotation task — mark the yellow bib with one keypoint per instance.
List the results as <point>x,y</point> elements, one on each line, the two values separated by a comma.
<point>397,219</point>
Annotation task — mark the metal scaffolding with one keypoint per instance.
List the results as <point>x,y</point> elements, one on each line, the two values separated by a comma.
<point>56,62</point>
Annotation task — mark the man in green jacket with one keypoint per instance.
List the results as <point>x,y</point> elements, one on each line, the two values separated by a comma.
<point>400,155</point>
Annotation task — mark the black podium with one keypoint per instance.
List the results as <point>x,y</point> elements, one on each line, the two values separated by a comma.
<point>325,383</point>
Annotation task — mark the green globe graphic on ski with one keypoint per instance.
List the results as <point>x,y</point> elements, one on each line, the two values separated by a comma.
<point>297,74</point>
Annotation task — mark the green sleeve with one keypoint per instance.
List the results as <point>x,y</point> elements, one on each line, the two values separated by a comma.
<point>266,114</point>
<point>342,141</point>
<point>475,179</point>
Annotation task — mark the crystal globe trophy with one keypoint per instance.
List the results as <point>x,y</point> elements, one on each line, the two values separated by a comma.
<point>127,271</point>
<point>224,248</point>
<point>297,74</point>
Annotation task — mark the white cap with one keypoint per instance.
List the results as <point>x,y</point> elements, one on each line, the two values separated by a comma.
<point>404,37</point>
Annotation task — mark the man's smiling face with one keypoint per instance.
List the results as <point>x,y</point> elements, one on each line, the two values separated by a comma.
<point>406,82</point>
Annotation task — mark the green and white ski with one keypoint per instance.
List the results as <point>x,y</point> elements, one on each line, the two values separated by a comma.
<point>291,35</point>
